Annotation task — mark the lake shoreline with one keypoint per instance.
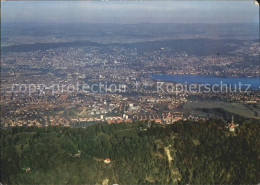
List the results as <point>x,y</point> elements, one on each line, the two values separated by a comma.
<point>203,79</point>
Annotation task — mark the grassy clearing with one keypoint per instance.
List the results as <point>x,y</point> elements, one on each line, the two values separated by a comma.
<point>235,108</point>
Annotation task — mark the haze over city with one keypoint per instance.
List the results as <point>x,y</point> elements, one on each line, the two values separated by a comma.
<point>129,12</point>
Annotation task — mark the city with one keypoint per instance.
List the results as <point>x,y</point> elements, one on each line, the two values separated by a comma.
<point>118,65</point>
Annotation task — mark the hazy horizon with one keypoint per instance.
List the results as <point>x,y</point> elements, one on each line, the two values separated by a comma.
<point>129,12</point>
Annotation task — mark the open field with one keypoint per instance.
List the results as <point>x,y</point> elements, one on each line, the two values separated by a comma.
<point>234,108</point>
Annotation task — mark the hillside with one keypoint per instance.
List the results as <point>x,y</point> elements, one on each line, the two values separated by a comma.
<point>185,153</point>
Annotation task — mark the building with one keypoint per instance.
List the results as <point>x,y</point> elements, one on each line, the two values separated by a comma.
<point>232,126</point>
<point>107,161</point>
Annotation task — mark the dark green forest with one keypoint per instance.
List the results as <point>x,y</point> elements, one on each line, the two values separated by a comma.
<point>182,153</point>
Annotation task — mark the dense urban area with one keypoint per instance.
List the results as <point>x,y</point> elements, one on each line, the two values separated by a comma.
<point>82,82</point>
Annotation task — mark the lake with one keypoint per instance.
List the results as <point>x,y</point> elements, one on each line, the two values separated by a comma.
<point>203,79</point>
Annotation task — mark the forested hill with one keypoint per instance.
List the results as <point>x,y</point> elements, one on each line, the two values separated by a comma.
<point>185,153</point>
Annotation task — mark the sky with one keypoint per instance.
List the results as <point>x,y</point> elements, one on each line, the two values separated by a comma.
<point>129,12</point>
